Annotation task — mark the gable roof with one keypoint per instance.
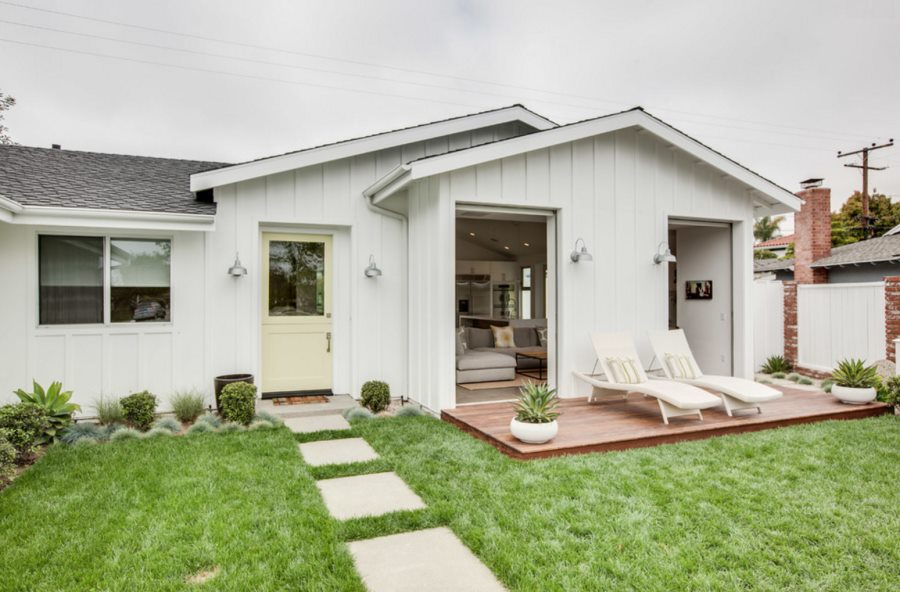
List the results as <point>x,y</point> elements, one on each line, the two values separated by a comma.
<point>347,148</point>
<point>40,179</point>
<point>883,249</point>
<point>763,265</point>
<point>769,193</point>
<point>778,241</point>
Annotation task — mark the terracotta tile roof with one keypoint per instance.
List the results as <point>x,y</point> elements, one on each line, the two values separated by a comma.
<point>778,241</point>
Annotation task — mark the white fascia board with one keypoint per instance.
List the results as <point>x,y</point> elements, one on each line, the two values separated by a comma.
<point>780,198</point>
<point>125,219</point>
<point>350,148</point>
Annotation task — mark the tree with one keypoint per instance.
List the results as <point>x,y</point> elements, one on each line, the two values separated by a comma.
<point>765,228</point>
<point>764,254</point>
<point>847,223</point>
<point>6,103</point>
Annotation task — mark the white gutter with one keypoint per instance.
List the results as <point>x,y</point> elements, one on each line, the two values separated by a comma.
<point>57,216</point>
<point>395,180</point>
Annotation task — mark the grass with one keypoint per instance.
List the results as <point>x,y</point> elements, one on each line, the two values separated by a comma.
<point>805,508</point>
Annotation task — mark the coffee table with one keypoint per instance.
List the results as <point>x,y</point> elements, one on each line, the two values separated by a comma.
<point>541,356</point>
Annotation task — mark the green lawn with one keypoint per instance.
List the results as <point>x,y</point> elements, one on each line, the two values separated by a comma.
<point>807,508</point>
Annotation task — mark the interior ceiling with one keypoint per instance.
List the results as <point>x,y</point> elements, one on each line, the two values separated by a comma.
<point>495,234</point>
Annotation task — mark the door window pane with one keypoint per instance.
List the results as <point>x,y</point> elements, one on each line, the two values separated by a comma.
<point>296,278</point>
<point>139,280</point>
<point>71,279</point>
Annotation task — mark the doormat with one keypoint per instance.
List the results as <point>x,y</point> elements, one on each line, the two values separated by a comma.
<point>301,400</point>
<point>519,381</point>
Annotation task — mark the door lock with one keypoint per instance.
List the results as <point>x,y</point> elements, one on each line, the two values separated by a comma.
<point>328,347</point>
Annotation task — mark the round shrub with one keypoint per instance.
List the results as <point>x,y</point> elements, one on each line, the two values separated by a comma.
<point>409,411</point>
<point>209,418</point>
<point>157,433</point>
<point>24,424</point>
<point>139,410</point>
<point>201,427</point>
<point>7,457</point>
<point>170,424</point>
<point>375,396</point>
<point>231,427</point>
<point>358,413</point>
<point>266,416</point>
<point>260,424</point>
<point>238,402</point>
<point>125,434</point>
<point>77,431</point>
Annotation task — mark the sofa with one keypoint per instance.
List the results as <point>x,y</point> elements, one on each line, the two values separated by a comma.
<point>479,360</point>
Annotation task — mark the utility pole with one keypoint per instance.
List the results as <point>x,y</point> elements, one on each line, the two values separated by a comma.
<point>865,218</point>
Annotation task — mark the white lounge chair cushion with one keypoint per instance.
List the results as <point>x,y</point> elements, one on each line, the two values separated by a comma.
<point>678,394</point>
<point>739,388</point>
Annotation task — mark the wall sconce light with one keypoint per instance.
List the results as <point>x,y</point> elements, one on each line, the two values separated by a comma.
<point>237,270</point>
<point>580,255</point>
<point>663,256</point>
<point>372,270</point>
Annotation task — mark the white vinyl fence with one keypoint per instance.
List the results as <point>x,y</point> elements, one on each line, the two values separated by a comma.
<point>768,320</point>
<point>837,321</point>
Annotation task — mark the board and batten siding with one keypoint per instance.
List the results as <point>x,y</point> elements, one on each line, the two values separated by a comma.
<point>370,330</point>
<point>99,360</point>
<point>617,191</point>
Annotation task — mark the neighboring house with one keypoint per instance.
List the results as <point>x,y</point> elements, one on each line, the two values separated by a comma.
<point>122,272</point>
<point>865,261</point>
<point>777,245</point>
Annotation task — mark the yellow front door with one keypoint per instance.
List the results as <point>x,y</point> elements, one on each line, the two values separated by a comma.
<point>296,315</point>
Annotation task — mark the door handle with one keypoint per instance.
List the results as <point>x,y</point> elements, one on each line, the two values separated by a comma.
<point>328,346</point>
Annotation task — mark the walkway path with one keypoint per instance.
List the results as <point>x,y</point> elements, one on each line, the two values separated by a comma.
<point>433,559</point>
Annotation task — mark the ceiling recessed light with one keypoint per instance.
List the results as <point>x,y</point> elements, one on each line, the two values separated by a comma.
<point>471,234</point>
<point>527,244</point>
<point>506,247</point>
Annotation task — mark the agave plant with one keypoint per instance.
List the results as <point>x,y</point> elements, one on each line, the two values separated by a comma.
<point>536,404</point>
<point>776,364</point>
<point>855,374</point>
<point>55,402</point>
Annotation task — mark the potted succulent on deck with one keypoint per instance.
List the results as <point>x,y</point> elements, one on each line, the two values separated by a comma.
<point>854,382</point>
<point>535,420</point>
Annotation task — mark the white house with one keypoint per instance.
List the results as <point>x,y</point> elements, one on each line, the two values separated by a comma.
<point>121,272</point>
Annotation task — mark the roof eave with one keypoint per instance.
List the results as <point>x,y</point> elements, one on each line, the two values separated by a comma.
<point>105,218</point>
<point>304,158</point>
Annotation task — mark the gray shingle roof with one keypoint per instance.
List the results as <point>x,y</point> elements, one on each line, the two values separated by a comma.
<point>70,179</point>
<point>763,265</point>
<point>874,250</point>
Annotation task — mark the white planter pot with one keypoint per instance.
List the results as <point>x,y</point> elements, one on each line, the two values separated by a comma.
<point>854,396</point>
<point>533,433</point>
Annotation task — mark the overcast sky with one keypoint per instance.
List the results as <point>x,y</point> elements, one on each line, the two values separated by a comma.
<point>778,86</point>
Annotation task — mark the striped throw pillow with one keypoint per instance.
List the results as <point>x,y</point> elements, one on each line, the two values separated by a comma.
<point>624,370</point>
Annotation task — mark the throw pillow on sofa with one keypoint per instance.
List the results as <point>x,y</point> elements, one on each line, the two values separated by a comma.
<point>461,344</point>
<point>503,336</point>
<point>542,335</point>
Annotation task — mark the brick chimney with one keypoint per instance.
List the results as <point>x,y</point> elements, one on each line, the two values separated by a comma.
<point>812,230</point>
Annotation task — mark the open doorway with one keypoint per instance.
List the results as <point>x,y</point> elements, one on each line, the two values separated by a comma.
<point>701,291</point>
<point>504,279</point>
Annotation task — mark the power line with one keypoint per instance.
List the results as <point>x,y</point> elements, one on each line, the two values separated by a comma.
<point>415,71</point>
<point>865,218</point>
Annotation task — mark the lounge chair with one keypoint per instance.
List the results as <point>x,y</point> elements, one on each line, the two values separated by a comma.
<point>623,374</point>
<point>678,363</point>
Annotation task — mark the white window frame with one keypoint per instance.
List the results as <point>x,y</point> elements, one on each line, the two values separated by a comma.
<point>107,277</point>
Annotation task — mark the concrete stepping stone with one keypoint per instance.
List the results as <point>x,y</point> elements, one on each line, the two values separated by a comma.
<point>368,495</point>
<point>316,423</point>
<point>337,452</point>
<point>432,559</point>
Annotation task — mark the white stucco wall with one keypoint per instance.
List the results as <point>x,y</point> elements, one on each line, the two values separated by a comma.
<point>617,192</point>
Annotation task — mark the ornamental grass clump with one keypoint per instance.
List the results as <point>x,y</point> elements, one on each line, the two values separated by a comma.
<point>358,413</point>
<point>780,375</point>
<point>536,404</point>
<point>854,373</point>
<point>125,434</point>
<point>201,427</point>
<point>793,377</point>
<point>409,411</point>
<point>139,409</point>
<point>210,419</point>
<point>237,402</point>
<point>168,423</point>
<point>231,427</point>
<point>266,416</point>
<point>109,411</point>
<point>187,405</point>
<point>78,431</point>
<point>157,433</point>
<point>776,364</point>
<point>805,380</point>
<point>260,424</point>
<point>375,396</point>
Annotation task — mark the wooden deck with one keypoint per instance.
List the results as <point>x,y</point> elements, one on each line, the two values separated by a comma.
<point>635,423</point>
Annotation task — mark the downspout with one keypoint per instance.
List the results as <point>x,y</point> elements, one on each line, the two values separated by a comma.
<point>404,222</point>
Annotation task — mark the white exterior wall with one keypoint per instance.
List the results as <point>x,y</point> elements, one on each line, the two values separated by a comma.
<point>370,340</point>
<point>100,360</point>
<point>839,321</point>
<point>617,192</point>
